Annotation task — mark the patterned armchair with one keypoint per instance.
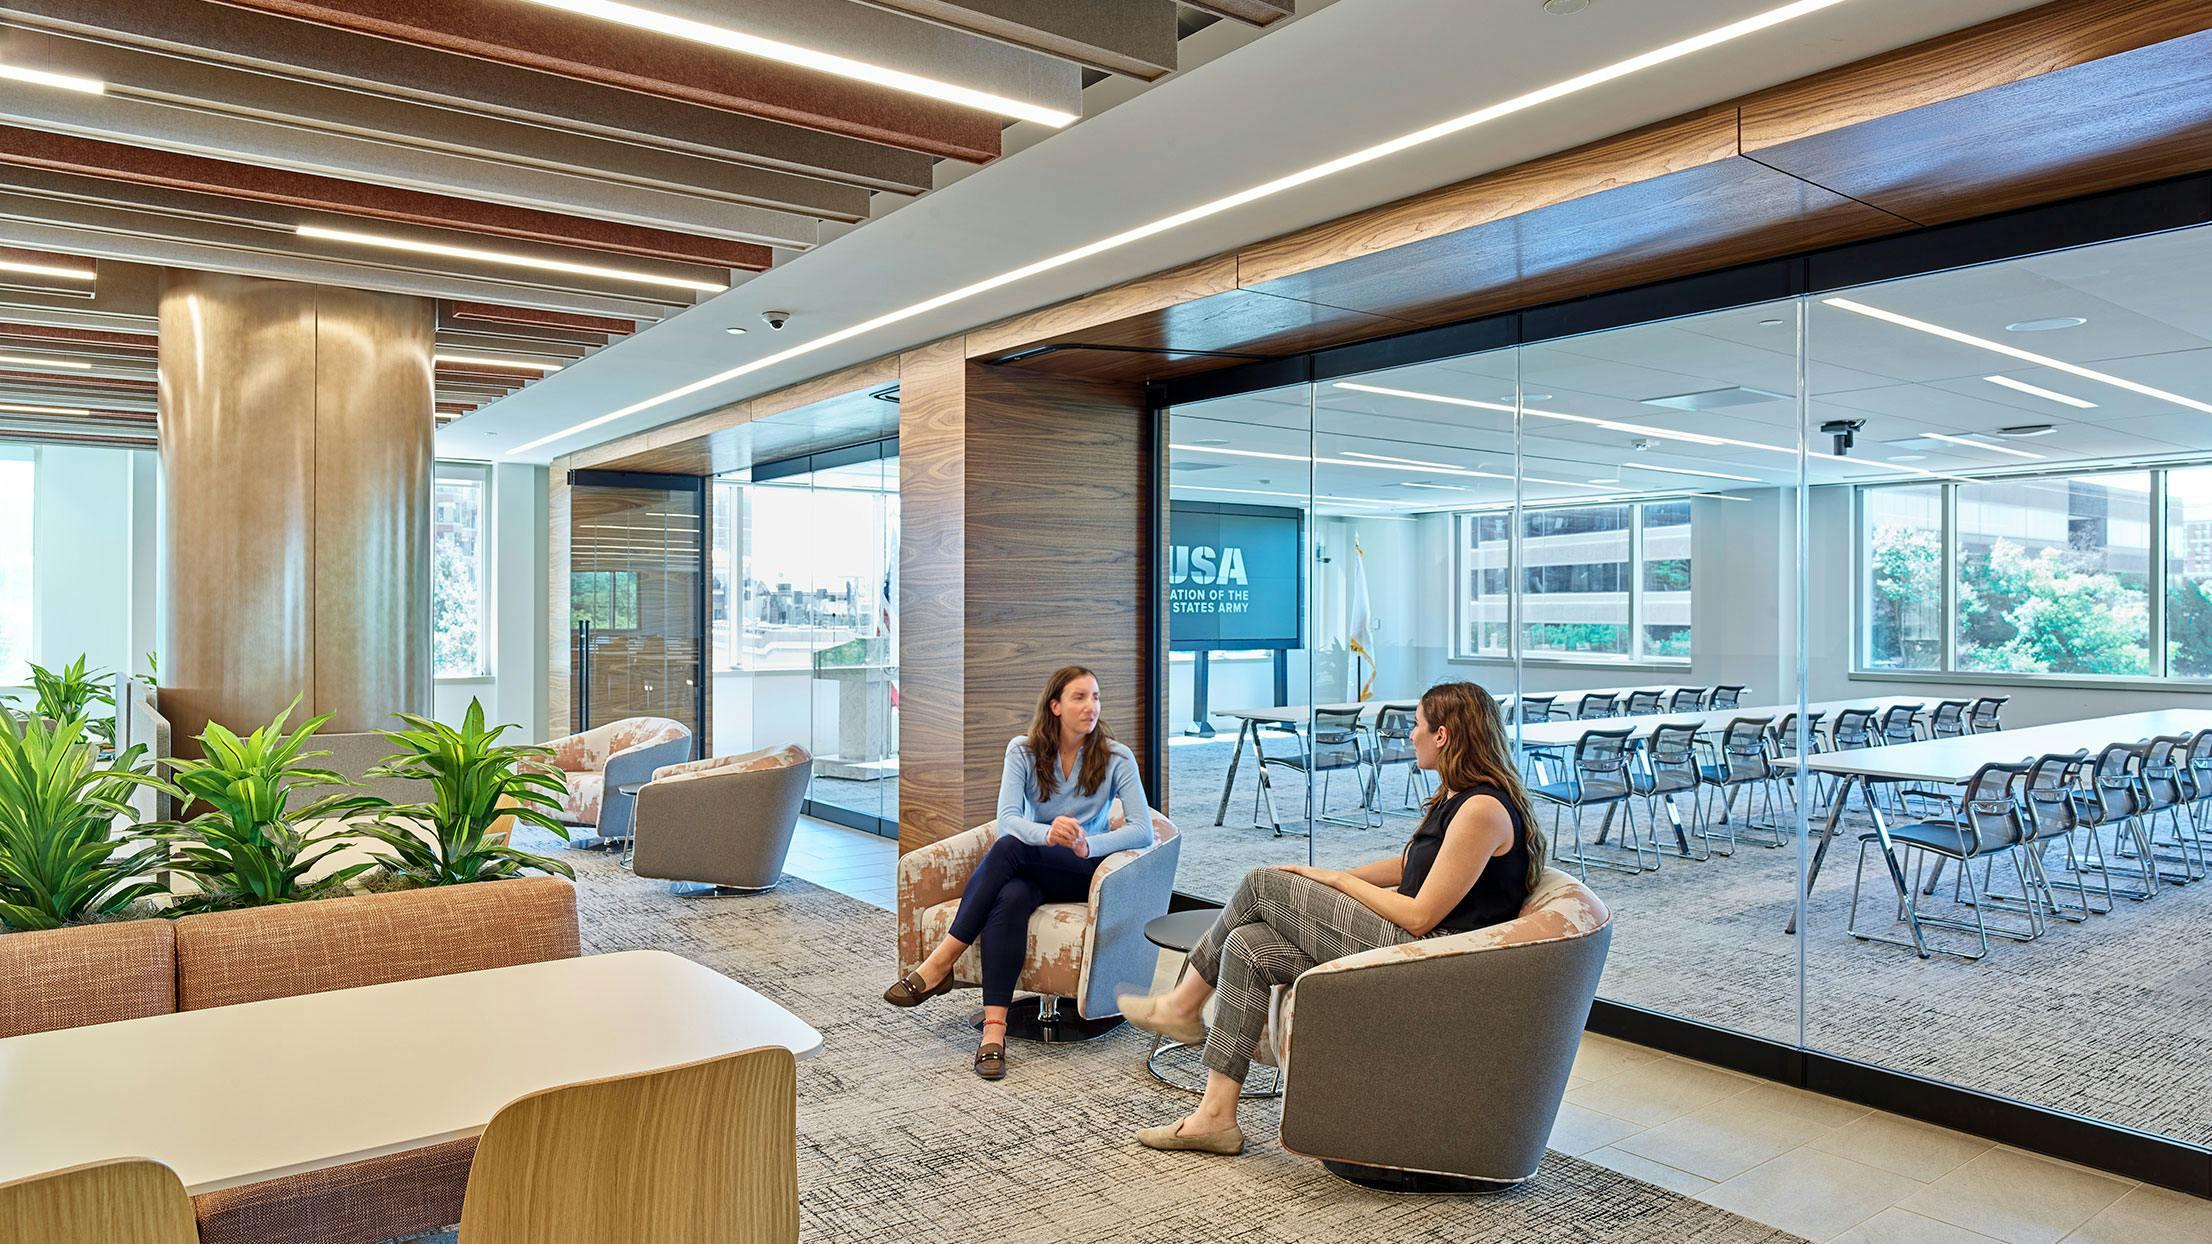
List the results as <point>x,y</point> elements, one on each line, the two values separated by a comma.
<point>1086,951</point>
<point>1365,1096</point>
<point>602,759</point>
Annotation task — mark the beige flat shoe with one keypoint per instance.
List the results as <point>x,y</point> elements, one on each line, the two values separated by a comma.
<point>1143,1011</point>
<point>1228,1142</point>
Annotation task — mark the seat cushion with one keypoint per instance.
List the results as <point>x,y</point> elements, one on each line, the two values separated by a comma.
<point>1054,961</point>
<point>340,943</point>
<point>1927,835</point>
<point>399,1194</point>
<point>580,800</point>
<point>87,974</point>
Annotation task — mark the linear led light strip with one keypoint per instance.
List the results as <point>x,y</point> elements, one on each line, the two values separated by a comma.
<point>1262,492</point>
<point>810,58</point>
<point>18,408</point>
<point>1641,429</point>
<point>497,257</point>
<point>60,81</point>
<point>2025,356</point>
<point>25,360</point>
<point>2036,390</point>
<point>1974,444</point>
<point>1382,465</point>
<point>1645,466</point>
<point>45,269</point>
<point>1344,163</point>
<point>473,360</point>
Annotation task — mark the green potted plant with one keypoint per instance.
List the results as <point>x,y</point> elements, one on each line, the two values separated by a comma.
<point>475,783</point>
<point>246,847</point>
<point>72,691</point>
<point>60,857</point>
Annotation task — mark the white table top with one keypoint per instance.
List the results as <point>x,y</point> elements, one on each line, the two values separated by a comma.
<point>1568,733</point>
<point>236,1094</point>
<point>1955,760</point>
<point>1292,714</point>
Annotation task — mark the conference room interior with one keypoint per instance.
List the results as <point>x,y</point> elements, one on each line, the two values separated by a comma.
<point>1968,503</point>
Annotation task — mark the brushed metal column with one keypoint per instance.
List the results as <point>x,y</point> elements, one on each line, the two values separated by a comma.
<point>296,447</point>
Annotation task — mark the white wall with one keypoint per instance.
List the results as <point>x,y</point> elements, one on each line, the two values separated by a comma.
<point>515,573</point>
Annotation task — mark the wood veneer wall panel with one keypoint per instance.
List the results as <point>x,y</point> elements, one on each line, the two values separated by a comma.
<point>1158,292</point>
<point>933,492</point>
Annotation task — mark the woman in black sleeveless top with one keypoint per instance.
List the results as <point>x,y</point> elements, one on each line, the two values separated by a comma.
<point>1473,862</point>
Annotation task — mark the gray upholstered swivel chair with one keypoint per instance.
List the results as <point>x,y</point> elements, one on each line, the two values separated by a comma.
<point>1361,1088</point>
<point>721,826</point>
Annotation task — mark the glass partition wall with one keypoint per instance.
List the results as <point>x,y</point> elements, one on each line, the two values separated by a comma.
<point>1766,592</point>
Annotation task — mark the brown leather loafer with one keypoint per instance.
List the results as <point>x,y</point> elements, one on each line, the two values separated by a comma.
<point>908,991</point>
<point>990,1060</point>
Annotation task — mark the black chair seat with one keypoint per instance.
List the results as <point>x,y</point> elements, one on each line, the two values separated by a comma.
<point>1572,792</point>
<point>1935,836</point>
<point>1719,775</point>
<point>1667,783</point>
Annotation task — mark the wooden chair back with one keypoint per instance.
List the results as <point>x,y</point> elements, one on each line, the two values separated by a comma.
<point>125,1201</point>
<point>704,1153</point>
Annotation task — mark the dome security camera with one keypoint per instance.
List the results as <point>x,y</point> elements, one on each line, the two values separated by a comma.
<point>776,319</point>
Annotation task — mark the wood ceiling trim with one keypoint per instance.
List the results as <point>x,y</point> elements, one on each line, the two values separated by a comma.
<point>1250,12</point>
<point>108,161</point>
<point>873,374</point>
<point>582,48</point>
<point>1159,291</point>
<point>1134,38</point>
<point>103,384</point>
<point>532,317</point>
<point>1997,53</point>
<point>47,334</point>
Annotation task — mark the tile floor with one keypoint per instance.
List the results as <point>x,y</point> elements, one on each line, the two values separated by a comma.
<point>1815,1166</point>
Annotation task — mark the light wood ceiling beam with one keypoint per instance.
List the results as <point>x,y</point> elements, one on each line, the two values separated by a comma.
<point>172,104</point>
<point>1134,38</point>
<point>214,34</point>
<point>588,50</point>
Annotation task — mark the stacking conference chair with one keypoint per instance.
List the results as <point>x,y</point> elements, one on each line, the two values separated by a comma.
<point>2165,790</point>
<point>1394,746</point>
<point>2051,795</point>
<point>1986,823</point>
<point>2197,775</point>
<point>1948,721</point>
<point>1670,768</point>
<point>1727,695</point>
<point>1534,708</point>
<point>1783,747</point>
<point>1900,724</point>
<point>1742,761</point>
<point>1338,743</point>
<point>2111,799</point>
<point>1597,777</point>
<point>1595,706</point>
<point>1642,704</point>
<point>1686,700</point>
<point>1982,717</point>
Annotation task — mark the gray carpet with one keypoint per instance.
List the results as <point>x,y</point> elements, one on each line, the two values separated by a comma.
<point>2111,1018</point>
<point>899,1141</point>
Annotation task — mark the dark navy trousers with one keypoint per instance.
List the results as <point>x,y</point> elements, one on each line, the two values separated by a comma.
<point>1014,879</point>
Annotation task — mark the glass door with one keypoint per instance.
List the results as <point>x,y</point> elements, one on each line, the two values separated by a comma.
<point>636,597</point>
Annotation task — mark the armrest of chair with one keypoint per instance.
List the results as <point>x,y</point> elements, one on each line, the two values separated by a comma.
<point>1129,889</point>
<point>929,875</point>
<point>560,747</point>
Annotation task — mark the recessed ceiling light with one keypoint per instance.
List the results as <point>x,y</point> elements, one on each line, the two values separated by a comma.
<point>1328,168</point>
<point>1908,457</point>
<point>2038,391</point>
<point>477,360</point>
<point>1212,440</point>
<point>1565,8</point>
<point>1970,443</point>
<point>1772,323</point>
<point>1607,482</point>
<point>1647,466</point>
<point>2028,356</point>
<point>2027,429</point>
<point>2053,324</point>
<point>18,408</point>
<point>734,331</point>
<point>811,58</point>
<point>47,269</point>
<point>60,81</point>
<point>25,360</point>
<point>1412,483</point>
<point>500,257</point>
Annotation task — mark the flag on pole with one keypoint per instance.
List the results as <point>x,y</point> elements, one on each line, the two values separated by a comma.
<point>887,623</point>
<point>1360,623</point>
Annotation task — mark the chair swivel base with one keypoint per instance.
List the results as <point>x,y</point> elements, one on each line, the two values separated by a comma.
<point>1186,1080</point>
<point>709,889</point>
<point>1030,1020</point>
<point>1415,1183</point>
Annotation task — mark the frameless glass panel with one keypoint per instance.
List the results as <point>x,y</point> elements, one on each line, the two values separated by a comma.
<point>635,588</point>
<point>1575,575</point>
<point>1244,541</point>
<point>2033,462</point>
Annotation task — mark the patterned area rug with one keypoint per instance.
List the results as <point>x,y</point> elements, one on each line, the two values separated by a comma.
<point>899,1141</point>
<point>1706,941</point>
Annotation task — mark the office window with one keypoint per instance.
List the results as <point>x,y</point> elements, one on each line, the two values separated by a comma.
<point>2189,573</point>
<point>605,598</point>
<point>18,481</point>
<point>1901,550</point>
<point>457,625</point>
<point>1600,583</point>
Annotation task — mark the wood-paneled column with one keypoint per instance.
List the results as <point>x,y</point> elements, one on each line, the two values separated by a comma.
<point>296,447</point>
<point>1024,544</point>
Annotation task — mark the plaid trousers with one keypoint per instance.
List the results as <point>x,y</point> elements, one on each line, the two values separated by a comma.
<point>1277,925</point>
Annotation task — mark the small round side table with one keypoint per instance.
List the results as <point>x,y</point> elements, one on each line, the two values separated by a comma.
<point>1179,931</point>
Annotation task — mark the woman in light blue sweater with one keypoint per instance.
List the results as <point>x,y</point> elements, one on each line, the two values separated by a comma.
<point>1055,823</point>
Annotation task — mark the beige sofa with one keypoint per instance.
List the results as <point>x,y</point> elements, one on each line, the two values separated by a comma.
<point>722,825</point>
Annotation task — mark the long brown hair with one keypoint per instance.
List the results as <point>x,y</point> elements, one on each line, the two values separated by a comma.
<point>1044,739</point>
<point>1476,753</point>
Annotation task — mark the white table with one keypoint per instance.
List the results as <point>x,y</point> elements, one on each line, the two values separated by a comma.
<point>234,1095</point>
<point>1951,762</point>
<point>1569,733</point>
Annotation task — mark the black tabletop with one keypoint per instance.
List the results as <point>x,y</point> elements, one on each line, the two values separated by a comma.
<point>1180,930</point>
<point>629,788</point>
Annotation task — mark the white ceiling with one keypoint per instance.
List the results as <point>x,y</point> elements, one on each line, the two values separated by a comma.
<point>1351,75</point>
<point>2147,322</point>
